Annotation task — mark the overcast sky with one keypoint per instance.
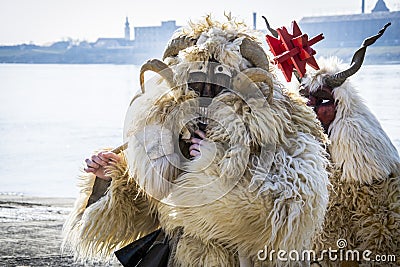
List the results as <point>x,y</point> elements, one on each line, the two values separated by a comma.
<point>46,21</point>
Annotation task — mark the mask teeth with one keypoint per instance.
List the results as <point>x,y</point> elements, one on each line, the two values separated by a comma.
<point>203,115</point>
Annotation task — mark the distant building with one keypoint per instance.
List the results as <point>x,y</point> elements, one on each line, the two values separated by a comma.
<point>147,40</point>
<point>127,30</point>
<point>351,30</point>
<point>380,7</point>
<point>154,37</point>
<point>115,42</point>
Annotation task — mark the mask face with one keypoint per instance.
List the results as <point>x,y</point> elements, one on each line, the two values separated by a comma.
<point>209,79</point>
<point>323,103</point>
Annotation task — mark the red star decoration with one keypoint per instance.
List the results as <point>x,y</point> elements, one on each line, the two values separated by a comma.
<point>293,50</point>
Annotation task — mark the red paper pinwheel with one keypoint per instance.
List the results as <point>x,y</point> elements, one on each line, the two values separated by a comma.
<point>293,50</point>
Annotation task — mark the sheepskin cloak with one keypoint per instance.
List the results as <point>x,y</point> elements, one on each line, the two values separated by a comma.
<point>364,201</point>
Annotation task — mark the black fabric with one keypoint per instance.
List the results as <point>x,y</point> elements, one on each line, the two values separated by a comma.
<point>145,252</point>
<point>157,256</point>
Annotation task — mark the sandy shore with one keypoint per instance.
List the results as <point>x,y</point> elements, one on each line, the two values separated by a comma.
<point>30,231</point>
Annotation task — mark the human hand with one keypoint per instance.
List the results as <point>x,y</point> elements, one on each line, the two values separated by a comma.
<point>194,149</point>
<point>98,162</point>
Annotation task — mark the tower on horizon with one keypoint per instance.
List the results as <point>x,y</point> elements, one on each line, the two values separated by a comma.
<point>127,30</point>
<point>380,6</point>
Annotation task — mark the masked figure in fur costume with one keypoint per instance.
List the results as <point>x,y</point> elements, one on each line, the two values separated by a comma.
<point>260,178</point>
<point>364,206</point>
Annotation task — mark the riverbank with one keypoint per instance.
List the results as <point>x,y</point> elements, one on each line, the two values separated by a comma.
<point>30,232</point>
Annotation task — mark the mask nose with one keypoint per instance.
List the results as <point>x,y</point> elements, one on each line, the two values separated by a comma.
<point>208,90</point>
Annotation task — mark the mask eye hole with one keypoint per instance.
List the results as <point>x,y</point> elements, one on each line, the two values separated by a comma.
<point>197,75</point>
<point>222,77</point>
<point>197,78</point>
<point>222,69</point>
<point>198,67</point>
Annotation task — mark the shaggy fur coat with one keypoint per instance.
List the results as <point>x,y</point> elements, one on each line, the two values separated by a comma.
<point>261,180</point>
<point>364,206</point>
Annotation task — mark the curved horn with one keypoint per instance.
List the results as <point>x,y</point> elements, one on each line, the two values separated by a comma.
<point>256,75</point>
<point>254,53</point>
<point>159,67</point>
<point>338,79</point>
<point>178,44</point>
<point>271,30</point>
